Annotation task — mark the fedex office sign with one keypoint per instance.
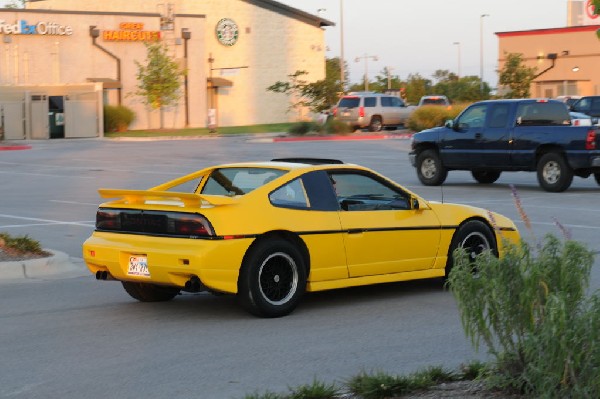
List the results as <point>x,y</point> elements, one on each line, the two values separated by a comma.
<point>22,27</point>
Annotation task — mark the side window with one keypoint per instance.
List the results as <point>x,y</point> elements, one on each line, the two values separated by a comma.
<point>473,117</point>
<point>386,101</point>
<point>291,195</point>
<point>396,102</point>
<point>370,102</point>
<point>499,116</point>
<point>364,192</point>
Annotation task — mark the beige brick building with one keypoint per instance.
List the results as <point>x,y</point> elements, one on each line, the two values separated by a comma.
<point>83,53</point>
<point>567,59</point>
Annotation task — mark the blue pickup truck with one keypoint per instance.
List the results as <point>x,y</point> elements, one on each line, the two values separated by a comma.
<point>491,137</point>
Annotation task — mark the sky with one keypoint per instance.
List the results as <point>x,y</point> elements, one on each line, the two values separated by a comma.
<point>418,36</point>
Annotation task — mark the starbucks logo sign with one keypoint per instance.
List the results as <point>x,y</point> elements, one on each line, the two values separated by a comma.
<point>227,32</point>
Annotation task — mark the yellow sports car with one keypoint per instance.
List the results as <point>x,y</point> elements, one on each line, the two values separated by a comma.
<point>270,231</point>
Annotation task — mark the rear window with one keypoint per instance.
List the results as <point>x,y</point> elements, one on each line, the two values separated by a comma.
<point>349,102</point>
<point>542,114</point>
<point>434,101</point>
<point>238,181</point>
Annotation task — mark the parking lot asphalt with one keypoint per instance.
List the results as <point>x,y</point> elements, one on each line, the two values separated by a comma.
<point>60,264</point>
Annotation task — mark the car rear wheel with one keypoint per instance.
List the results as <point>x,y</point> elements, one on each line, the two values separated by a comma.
<point>485,176</point>
<point>553,173</point>
<point>430,170</point>
<point>376,125</point>
<point>475,237</point>
<point>144,292</point>
<point>272,279</point>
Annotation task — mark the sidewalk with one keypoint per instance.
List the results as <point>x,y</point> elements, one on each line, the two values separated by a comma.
<point>59,265</point>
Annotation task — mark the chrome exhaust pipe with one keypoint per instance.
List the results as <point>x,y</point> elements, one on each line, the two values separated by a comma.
<point>194,285</point>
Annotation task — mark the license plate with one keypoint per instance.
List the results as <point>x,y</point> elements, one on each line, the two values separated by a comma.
<point>138,266</point>
<point>346,113</point>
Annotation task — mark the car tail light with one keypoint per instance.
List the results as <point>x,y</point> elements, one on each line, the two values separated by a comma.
<point>335,111</point>
<point>590,140</point>
<point>361,112</point>
<point>172,224</point>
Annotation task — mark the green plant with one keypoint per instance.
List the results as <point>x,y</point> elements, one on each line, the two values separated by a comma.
<point>316,390</point>
<point>333,126</point>
<point>429,116</point>
<point>117,118</point>
<point>531,311</point>
<point>21,244</point>
<point>301,128</point>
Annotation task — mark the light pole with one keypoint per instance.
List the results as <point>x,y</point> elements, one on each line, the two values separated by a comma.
<point>342,46</point>
<point>366,58</point>
<point>457,44</point>
<point>481,51</point>
<point>388,71</point>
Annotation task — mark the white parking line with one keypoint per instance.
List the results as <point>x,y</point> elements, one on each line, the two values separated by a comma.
<point>74,202</point>
<point>86,223</point>
<point>47,175</point>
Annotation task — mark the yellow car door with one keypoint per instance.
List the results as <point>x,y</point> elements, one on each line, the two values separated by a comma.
<point>382,233</point>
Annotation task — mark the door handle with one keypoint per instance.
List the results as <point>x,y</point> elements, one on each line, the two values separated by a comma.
<point>478,135</point>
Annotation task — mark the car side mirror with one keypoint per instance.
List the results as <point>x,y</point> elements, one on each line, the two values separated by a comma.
<point>449,124</point>
<point>414,203</point>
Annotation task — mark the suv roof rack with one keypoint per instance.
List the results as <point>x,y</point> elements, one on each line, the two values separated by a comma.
<point>310,161</point>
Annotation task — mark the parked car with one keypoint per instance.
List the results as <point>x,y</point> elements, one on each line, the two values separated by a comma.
<point>569,100</point>
<point>589,105</point>
<point>579,119</point>
<point>490,137</point>
<point>435,100</point>
<point>372,110</point>
<point>269,231</point>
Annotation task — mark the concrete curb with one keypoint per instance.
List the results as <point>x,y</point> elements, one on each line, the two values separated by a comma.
<point>59,264</point>
<point>13,147</point>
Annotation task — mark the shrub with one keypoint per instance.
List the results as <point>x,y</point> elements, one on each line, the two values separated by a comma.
<point>21,245</point>
<point>429,116</point>
<point>531,311</point>
<point>301,128</point>
<point>117,118</point>
<point>333,126</point>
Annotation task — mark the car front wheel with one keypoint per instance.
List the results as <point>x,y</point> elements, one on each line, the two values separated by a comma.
<point>553,172</point>
<point>144,292</point>
<point>430,170</point>
<point>475,237</point>
<point>272,279</point>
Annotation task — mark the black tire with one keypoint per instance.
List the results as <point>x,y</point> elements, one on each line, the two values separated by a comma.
<point>272,279</point>
<point>553,173</point>
<point>144,292</point>
<point>430,170</point>
<point>485,176</point>
<point>597,178</point>
<point>376,124</point>
<point>476,237</point>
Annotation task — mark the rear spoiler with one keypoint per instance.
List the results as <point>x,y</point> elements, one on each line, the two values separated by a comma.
<point>165,197</point>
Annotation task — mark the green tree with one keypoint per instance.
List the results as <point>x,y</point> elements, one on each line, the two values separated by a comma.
<point>159,80</point>
<point>516,77</point>
<point>16,4</point>
<point>317,96</point>
<point>459,89</point>
<point>385,80</point>
<point>416,87</point>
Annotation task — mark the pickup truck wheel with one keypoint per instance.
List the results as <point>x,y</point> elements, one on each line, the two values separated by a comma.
<point>475,237</point>
<point>597,177</point>
<point>376,124</point>
<point>272,279</point>
<point>485,176</point>
<point>430,170</point>
<point>553,172</point>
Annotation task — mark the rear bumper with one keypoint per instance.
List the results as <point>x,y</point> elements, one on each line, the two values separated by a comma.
<point>171,261</point>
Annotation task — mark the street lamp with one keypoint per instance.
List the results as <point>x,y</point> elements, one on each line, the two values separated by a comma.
<point>457,44</point>
<point>366,58</point>
<point>481,50</point>
<point>342,80</point>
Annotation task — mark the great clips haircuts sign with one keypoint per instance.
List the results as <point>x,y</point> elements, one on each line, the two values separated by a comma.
<point>130,32</point>
<point>45,28</point>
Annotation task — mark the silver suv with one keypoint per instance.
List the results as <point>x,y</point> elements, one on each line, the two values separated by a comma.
<point>371,110</point>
